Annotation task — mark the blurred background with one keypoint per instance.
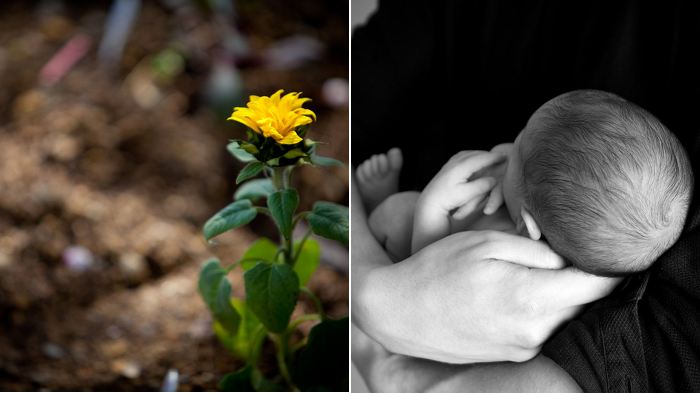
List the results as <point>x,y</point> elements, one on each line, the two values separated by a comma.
<point>113,155</point>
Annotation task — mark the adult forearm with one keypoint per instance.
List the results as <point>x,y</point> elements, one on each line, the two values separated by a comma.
<point>396,373</point>
<point>367,257</point>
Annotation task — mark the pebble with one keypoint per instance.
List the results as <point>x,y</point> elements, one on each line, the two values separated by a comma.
<point>114,332</point>
<point>28,102</point>
<point>4,260</point>
<point>128,369</point>
<point>170,381</point>
<point>132,264</point>
<point>77,258</point>
<point>336,92</point>
<point>52,350</point>
<point>201,328</point>
<point>131,370</point>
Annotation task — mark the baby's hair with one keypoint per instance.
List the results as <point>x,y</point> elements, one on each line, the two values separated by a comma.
<point>607,182</point>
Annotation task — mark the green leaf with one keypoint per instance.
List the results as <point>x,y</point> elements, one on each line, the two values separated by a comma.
<point>254,189</point>
<point>248,147</point>
<point>305,161</point>
<point>232,216</point>
<point>294,153</point>
<point>308,260</point>
<point>240,342</point>
<point>326,161</point>
<point>330,220</point>
<point>253,136</point>
<point>308,143</point>
<point>271,292</point>
<point>240,381</point>
<point>324,362</point>
<point>302,130</point>
<point>262,250</point>
<point>249,171</point>
<point>273,162</point>
<point>239,154</point>
<point>209,279</point>
<point>216,292</point>
<point>224,312</point>
<point>282,205</point>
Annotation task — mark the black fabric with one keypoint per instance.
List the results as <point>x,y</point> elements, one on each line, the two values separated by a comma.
<point>438,77</point>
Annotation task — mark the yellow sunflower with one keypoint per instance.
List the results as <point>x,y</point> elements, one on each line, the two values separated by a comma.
<point>275,117</point>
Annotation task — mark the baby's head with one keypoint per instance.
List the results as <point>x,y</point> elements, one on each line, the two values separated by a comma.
<point>601,179</point>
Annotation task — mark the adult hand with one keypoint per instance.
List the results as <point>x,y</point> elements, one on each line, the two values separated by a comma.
<point>473,297</point>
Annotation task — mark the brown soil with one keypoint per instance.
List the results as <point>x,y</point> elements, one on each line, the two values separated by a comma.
<point>81,163</point>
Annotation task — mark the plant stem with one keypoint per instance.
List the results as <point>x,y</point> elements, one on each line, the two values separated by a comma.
<point>299,345</point>
<point>280,341</point>
<point>308,317</point>
<point>229,268</point>
<point>298,218</point>
<point>301,245</point>
<point>289,175</point>
<point>254,344</point>
<point>280,182</point>
<point>316,301</point>
<point>278,178</point>
<point>261,209</point>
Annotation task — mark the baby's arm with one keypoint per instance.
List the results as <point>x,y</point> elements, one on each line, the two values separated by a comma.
<point>452,193</point>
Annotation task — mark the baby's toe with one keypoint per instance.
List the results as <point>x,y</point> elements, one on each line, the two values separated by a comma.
<point>382,164</point>
<point>395,158</point>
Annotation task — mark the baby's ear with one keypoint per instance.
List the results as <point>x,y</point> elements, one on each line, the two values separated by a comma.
<point>532,228</point>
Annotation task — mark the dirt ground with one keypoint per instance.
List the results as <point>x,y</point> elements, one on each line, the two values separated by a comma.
<point>89,162</point>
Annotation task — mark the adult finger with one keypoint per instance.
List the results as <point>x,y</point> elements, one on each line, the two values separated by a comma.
<point>523,251</point>
<point>571,287</point>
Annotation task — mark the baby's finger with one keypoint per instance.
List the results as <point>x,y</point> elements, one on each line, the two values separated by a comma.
<point>469,207</point>
<point>475,162</point>
<point>462,155</point>
<point>471,195</point>
<point>477,187</point>
<point>495,199</point>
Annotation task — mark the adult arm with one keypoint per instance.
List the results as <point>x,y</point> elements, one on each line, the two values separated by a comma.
<point>458,301</point>
<point>387,373</point>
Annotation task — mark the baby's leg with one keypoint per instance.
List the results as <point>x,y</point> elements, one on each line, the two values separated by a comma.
<point>392,224</point>
<point>378,177</point>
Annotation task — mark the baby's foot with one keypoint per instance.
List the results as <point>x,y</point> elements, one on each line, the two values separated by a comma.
<point>378,177</point>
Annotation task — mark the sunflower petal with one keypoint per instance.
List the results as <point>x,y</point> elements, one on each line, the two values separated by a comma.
<point>245,121</point>
<point>275,98</point>
<point>305,112</point>
<point>299,102</point>
<point>290,139</point>
<point>301,120</point>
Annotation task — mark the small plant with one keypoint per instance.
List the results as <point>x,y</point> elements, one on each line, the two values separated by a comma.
<point>276,274</point>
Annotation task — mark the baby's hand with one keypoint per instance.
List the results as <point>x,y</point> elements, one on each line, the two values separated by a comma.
<point>498,171</point>
<point>453,188</point>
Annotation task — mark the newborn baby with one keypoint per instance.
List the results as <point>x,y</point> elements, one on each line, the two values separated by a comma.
<point>599,178</point>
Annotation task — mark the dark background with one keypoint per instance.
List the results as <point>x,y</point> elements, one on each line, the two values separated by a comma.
<point>436,78</point>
